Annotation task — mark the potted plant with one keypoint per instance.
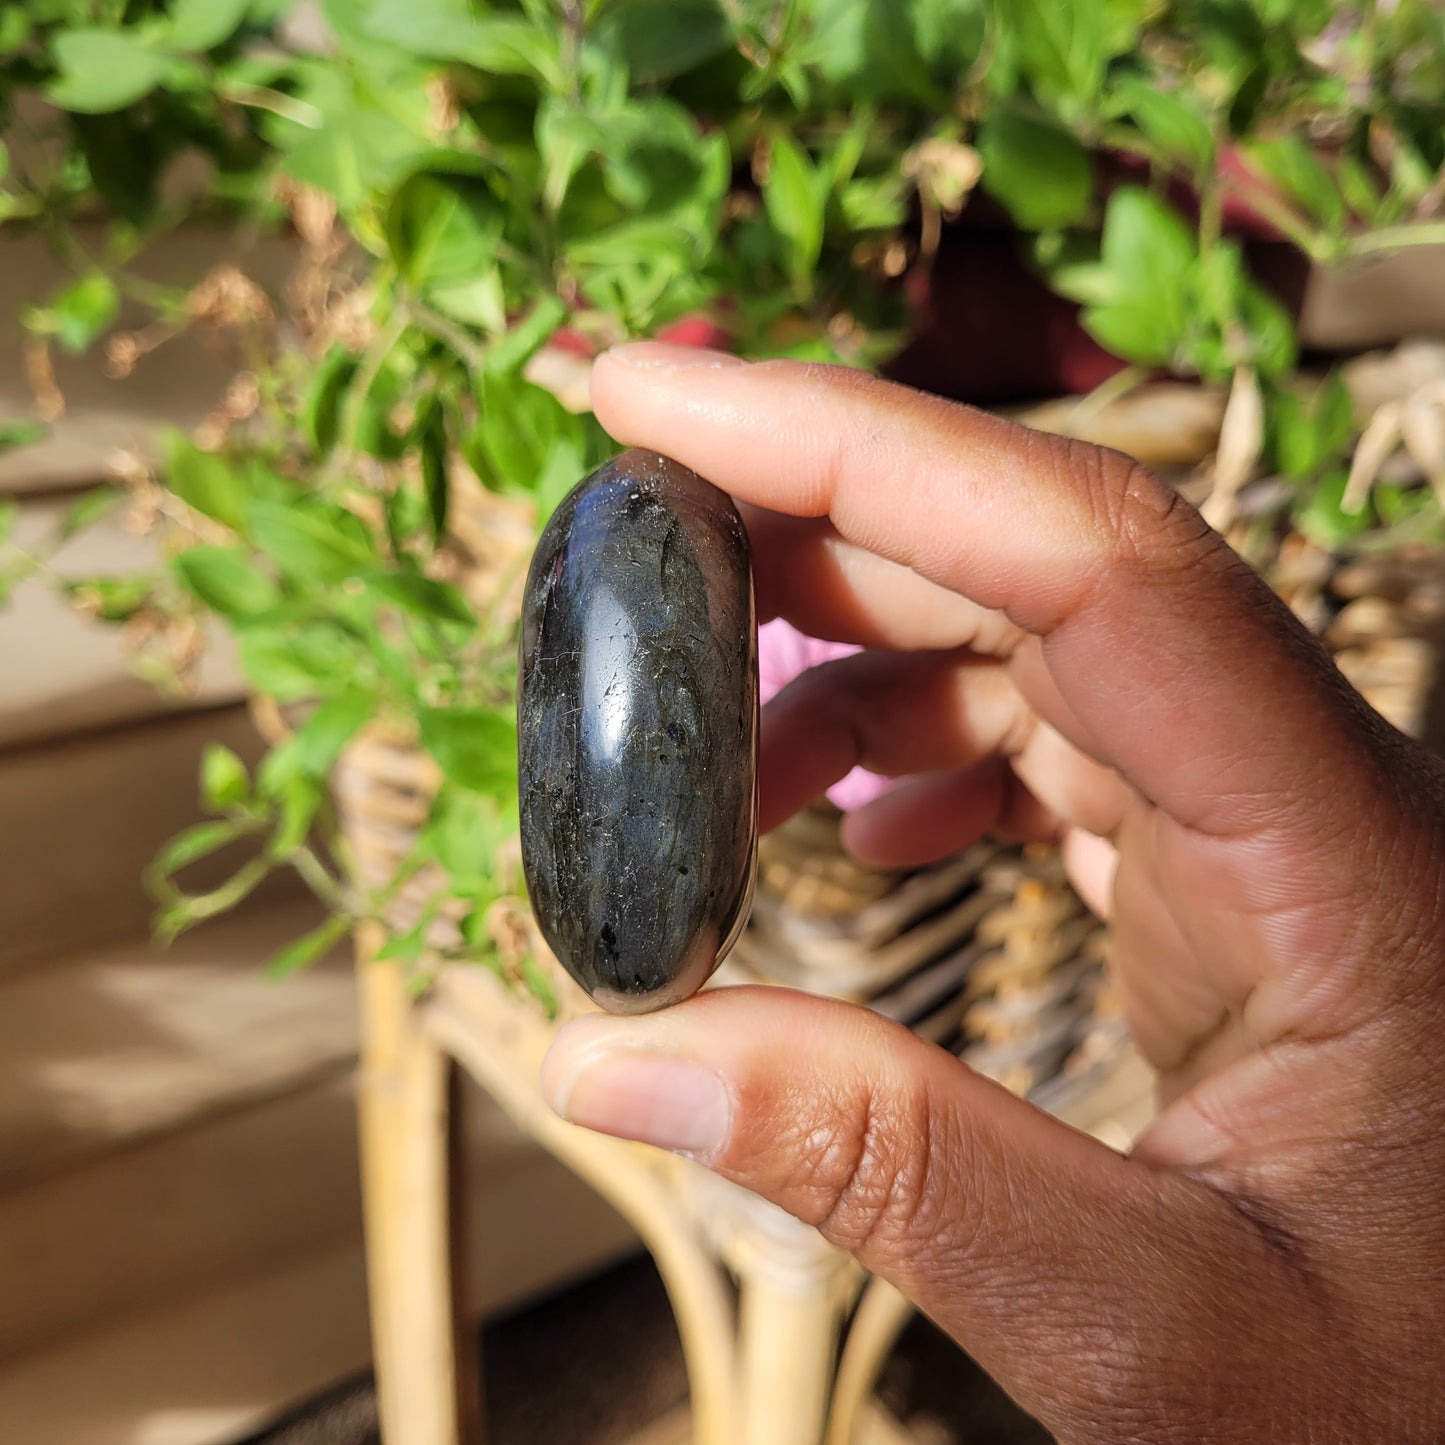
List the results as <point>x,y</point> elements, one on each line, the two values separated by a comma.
<point>478,190</point>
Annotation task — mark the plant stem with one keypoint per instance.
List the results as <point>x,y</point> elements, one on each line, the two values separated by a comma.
<point>1284,220</point>
<point>1111,389</point>
<point>260,97</point>
<point>1398,238</point>
<point>375,358</point>
<point>200,906</point>
<point>320,880</point>
<point>438,326</point>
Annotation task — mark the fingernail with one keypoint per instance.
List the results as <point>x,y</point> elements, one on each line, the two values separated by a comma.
<point>653,1098</point>
<point>668,356</point>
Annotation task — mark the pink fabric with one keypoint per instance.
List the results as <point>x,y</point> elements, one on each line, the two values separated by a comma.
<point>784,653</point>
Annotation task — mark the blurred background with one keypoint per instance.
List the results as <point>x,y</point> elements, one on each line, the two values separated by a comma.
<point>298,303</point>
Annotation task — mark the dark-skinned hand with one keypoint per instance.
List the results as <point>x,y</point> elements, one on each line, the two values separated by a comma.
<point>1059,647</point>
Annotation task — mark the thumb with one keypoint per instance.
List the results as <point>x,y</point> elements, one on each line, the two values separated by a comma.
<point>1082,1280</point>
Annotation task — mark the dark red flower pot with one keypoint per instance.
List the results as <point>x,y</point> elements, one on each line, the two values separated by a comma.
<point>990,330</point>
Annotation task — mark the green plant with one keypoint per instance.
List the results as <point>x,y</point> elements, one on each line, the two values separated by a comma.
<point>467,179</point>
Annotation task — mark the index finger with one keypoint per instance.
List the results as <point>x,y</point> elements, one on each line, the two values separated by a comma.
<point>1205,691</point>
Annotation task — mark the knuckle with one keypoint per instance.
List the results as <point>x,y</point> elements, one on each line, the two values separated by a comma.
<point>1153,522</point>
<point>1143,524</point>
<point>871,1173</point>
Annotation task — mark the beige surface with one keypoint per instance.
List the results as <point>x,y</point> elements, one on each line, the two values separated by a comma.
<point>176,1215</point>
<point>174,386</point>
<point>190,1210</point>
<point>63,673</point>
<point>117,1045</point>
<point>79,819</point>
<point>208,1367</point>
<point>1376,303</point>
<point>218,1362</point>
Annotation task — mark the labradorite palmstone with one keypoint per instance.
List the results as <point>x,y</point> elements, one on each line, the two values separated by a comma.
<point>638,727</point>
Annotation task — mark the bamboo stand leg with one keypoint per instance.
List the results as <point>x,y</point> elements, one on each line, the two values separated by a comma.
<point>466,1340</point>
<point>403,1098</point>
<point>468,1020</point>
<point>788,1340</point>
<point>879,1320</point>
<point>795,1291</point>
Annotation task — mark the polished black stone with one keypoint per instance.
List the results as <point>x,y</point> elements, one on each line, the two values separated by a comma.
<point>638,727</point>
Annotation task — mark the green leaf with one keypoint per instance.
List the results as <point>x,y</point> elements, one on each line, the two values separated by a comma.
<point>564,468</point>
<point>311,752</point>
<point>89,509</point>
<point>206,481</point>
<point>1038,172</point>
<point>1323,518</point>
<point>1170,119</point>
<point>406,947</point>
<point>1293,166</point>
<point>1273,343</point>
<point>1231,37</point>
<point>103,70</point>
<point>79,313</point>
<point>321,414</point>
<point>1309,434</point>
<point>321,738</point>
<point>309,948</point>
<point>480,302</point>
<point>465,832</point>
<point>310,540</point>
<point>225,782</point>
<point>1150,257</point>
<point>420,596</point>
<point>14,29</point>
<point>512,351</point>
<point>520,427</point>
<point>17,434</point>
<point>195,843</point>
<point>475,748</point>
<point>433,452</point>
<point>299,800</point>
<point>443,227</point>
<point>368,136</point>
<point>1063,50</point>
<point>299,665</point>
<point>375,433</point>
<point>227,581</point>
<point>909,51</point>
<point>660,39</point>
<point>111,599</point>
<point>9,515</point>
<point>948,34</point>
<point>795,197</point>
<point>1358,187</point>
<point>199,25</point>
<point>125,158</point>
<point>450,30</point>
<point>567,135</point>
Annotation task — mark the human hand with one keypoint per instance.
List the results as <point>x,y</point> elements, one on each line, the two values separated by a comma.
<point>1060,647</point>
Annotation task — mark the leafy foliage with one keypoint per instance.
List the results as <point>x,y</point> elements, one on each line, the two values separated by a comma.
<point>474,182</point>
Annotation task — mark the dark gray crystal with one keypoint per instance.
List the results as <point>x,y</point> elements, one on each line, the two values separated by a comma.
<point>638,726</point>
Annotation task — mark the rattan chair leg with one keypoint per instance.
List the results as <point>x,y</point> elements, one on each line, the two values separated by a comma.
<point>795,1290</point>
<point>478,1026</point>
<point>403,1103</point>
<point>789,1338</point>
<point>879,1319</point>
